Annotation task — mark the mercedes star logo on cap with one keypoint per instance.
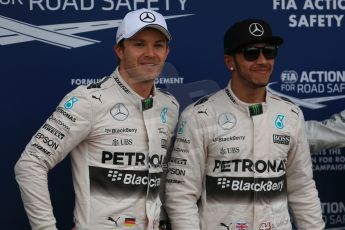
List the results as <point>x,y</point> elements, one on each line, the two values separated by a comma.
<point>256,29</point>
<point>147,17</point>
<point>119,112</point>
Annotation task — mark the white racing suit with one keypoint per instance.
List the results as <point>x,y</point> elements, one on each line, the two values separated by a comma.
<point>118,142</point>
<point>327,134</point>
<point>240,166</point>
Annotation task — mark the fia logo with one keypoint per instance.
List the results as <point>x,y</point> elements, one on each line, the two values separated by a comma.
<point>289,76</point>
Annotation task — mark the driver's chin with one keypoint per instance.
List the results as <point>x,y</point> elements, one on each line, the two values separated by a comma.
<point>144,76</point>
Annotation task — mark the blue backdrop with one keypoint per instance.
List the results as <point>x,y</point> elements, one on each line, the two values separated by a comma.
<point>48,47</point>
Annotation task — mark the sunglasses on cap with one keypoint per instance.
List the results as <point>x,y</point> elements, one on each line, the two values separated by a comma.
<point>251,53</point>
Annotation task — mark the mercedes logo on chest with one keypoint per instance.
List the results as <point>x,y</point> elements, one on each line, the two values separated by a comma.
<point>119,112</point>
<point>147,17</point>
<point>227,121</point>
<point>256,29</point>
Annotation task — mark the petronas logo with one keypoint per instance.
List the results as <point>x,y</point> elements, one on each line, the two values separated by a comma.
<point>147,103</point>
<point>255,109</point>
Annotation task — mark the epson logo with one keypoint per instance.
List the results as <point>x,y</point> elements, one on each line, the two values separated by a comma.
<point>281,139</point>
<point>46,140</point>
<point>176,171</point>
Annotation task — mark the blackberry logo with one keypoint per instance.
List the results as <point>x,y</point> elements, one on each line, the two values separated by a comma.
<point>133,179</point>
<point>115,175</point>
<point>223,182</point>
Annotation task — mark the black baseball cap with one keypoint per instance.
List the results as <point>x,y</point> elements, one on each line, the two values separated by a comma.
<point>247,32</point>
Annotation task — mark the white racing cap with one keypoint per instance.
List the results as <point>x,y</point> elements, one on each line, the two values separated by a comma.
<point>136,20</point>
